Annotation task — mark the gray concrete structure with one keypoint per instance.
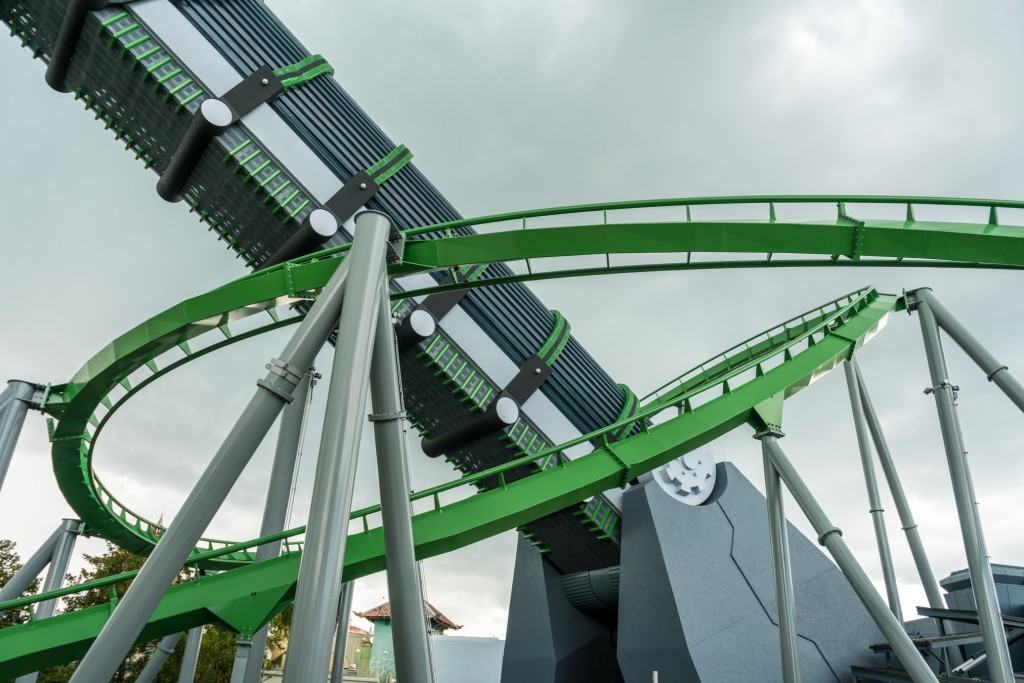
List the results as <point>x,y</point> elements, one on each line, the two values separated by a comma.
<point>697,597</point>
<point>547,639</point>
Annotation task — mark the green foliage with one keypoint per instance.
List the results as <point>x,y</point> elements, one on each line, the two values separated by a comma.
<point>10,563</point>
<point>218,649</point>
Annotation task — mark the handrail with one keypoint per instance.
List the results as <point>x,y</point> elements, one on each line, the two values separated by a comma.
<point>838,199</point>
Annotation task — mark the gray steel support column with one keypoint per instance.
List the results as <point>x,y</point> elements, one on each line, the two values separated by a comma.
<point>341,636</point>
<point>15,401</point>
<point>982,584</point>
<point>190,660</point>
<point>323,556</point>
<point>408,622</point>
<point>59,560</point>
<point>35,564</point>
<point>782,568</point>
<point>164,649</point>
<point>996,372</point>
<point>832,538</point>
<point>126,623</point>
<point>899,497</point>
<point>244,655</point>
<point>278,495</point>
<point>871,484</point>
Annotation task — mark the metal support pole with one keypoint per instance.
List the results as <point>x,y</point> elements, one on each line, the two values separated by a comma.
<point>982,584</point>
<point>278,495</point>
<point>164,649</point>
<point>245,654</point>
<point>323,557</point>
<point>59,560</point>
<point>408,623</point>
<point>35,564</point>
<point>871,484</point>
<point>15,401</point>
<point>341,637</point>
<point>832,538</point>
<point>899,497</point>
<point>782,568</point>
<point>996,372</point>
<point>190,660</point>
<point>126,623</point>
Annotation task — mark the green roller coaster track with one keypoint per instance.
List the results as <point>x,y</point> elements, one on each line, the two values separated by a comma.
<point>744,385</point>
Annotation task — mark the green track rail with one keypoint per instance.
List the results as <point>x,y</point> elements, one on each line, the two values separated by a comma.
<point>744,385</point>
<point>246,597</point>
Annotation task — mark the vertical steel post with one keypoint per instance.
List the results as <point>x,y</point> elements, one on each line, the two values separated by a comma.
<point>279,489</point>
<point>996,372</point>
<point>244,655</point>
<point>126,623</point>
<point>832,538</point>
<point>164,649</point>
<point>15,401</point>
<point>35,564</point>
<point>59,560</point>
<point>190,660</point>
<point>982,584</point>
<point>408,623</point>
<point>341,636</point>
<point>781,566</point>
<point>899,497</point>
<point>871,484</point>
<point>323,556</point>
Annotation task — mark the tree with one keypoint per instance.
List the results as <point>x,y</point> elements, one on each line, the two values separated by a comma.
<point>216,657</point>
<point>10,563</point>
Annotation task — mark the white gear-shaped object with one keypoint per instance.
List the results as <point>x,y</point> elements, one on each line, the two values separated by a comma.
<point>689,479</point>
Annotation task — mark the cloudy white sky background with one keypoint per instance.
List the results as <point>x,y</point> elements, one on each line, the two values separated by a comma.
<point>512,105</point>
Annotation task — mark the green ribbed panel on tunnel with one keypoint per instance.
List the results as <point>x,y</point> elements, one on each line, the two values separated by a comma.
<point>586,534</point>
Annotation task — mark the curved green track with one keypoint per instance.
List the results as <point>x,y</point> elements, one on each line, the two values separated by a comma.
<point>745,384</point>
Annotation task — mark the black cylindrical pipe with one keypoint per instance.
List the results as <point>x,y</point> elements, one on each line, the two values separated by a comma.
<point>500,414</point>
<point>66,43</point>
<point>320,225</point>
<point>212,118</point>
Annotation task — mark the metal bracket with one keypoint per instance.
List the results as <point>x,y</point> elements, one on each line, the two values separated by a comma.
<point>282,379</point>
<point>386,417</point>
<point>944,384</point>
<point>533,373</point>
<point>769,430</point>
<point>217,114</point>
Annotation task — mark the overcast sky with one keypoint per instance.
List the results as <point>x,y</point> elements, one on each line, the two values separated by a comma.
<point>514,105</point>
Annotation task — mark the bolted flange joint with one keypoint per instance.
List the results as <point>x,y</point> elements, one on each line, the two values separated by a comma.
<point>770,430</point>
<point>823,538</point>
<point>281,380</point>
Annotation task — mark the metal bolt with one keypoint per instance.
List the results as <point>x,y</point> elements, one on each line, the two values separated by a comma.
<point>537,371</point>
<point>362,186</point>
<point>265,81</point>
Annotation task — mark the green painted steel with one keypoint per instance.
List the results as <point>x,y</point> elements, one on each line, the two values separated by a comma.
<point>84,404</point>
<point>247,596</point>
<point>747,381</point>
